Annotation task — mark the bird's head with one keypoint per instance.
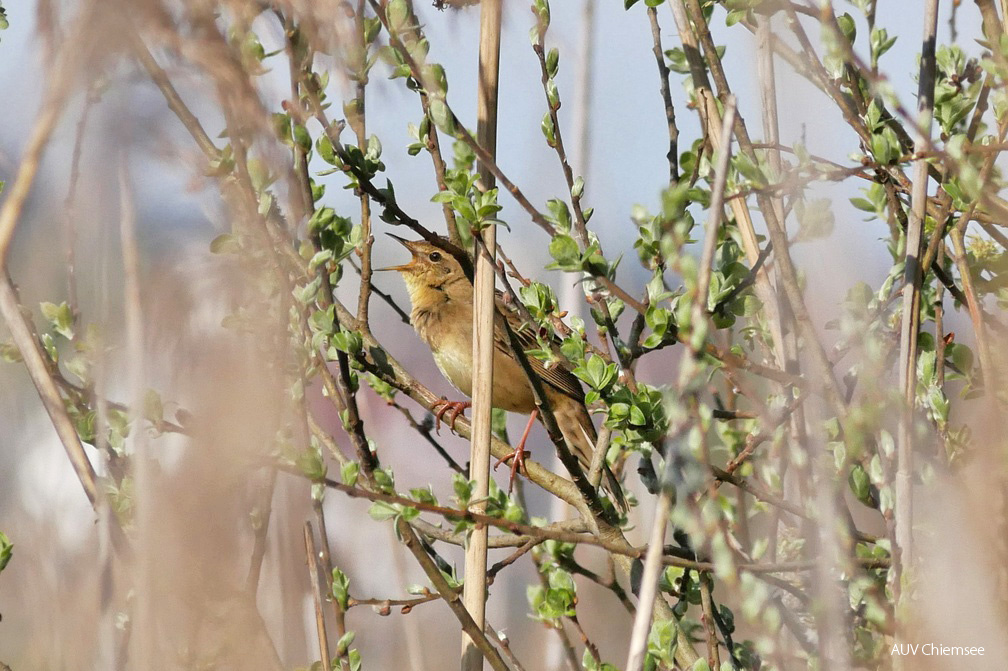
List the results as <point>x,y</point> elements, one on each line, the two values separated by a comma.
<point>432,269</point>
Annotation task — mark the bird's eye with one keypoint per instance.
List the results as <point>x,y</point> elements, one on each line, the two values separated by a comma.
<point>435,256</point>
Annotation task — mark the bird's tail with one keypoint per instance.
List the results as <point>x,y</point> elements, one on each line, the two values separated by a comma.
<point>579,432</point>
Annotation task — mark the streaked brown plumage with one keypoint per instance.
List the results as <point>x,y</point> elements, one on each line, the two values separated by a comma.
<point>442,308</point>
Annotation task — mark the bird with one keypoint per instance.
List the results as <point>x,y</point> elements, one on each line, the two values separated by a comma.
<point>441,297</point>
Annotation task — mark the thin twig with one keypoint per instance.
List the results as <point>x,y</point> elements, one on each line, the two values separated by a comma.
<point>504,644</point>
<point>261,528</point>
<point>327,573</point>
<point>358,122</point>
<point>317,599</point>
<point>714,223</point>
<point>171,95</point>
<point>663,78</point>
<point>713,658</point>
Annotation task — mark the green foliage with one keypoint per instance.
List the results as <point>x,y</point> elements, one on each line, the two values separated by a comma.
<point>956,88</point>
<point>311,463</point>
<point>340,588</point>
<point>589,663</point>
<point>6,547</point>
<point>555,599</point>
<point>60,318</point>
<point>349,472</point>
<point>880,43</point>
<point>474,209</point>
<point>885,144</point>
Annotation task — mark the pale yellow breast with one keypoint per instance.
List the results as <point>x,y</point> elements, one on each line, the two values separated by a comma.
<point>511,390</point>
<point>455,362</point>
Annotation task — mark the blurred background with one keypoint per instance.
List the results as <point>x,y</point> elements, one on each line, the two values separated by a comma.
<point>51,595</point>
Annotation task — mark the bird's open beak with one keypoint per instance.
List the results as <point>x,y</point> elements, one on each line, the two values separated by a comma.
<point>405,266</point>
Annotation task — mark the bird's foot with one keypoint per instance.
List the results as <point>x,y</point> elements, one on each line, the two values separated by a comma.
<point>517,457</point>
<point>453,408</point>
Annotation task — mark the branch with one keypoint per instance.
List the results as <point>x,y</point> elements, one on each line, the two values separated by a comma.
<point>313,576</point>
<point>450,596</point>
<point>663,78</point>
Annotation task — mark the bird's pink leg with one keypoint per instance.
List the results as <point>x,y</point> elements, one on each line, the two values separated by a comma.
<point>517,457</point>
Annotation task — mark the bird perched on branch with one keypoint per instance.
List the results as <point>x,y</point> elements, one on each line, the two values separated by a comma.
<point>441,294</point>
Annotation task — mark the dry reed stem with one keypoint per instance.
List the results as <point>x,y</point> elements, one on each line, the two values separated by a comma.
<point>484,313</point>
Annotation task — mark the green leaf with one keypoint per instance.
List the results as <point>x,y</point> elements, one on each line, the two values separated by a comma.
<point>750,170</point>
<point>50,346</point>
<point>372,26</point>
<point>548,130</point>
<point>442,116</point>
<point>677,61</point>
<point>396,13</point>
<point>153,408</point>
<point>340,588</point>
<point>381,511</point>
<point>885,146</point>
<point>374,148</point>
<point>321,219</point>
<point>847,27</point>
<point>860,485</point>
<point>552,62</point>
<point>463,489</point>
<point>498,424</point>
<point>6,550</point>
<point>344,643</point>
<point>552,93</point>
<point>735,16</point>
<point>9,352</point>
<point>662,642</point>
<point>565,250</point>
<point>384,480</point>
<point>349,472</point>
<point>60,317</point>
<point>701,665</point>
<point>863,204</point>
<point>326,151</point>
<point>311,464</point>
<point>880,43</point>
<point>301,137</point>
<point>577,189</point>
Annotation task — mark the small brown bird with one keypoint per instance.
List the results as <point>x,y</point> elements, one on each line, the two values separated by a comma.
<point>442,310</point>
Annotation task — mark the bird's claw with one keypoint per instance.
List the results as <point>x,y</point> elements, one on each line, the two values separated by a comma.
<point>517,459</point>
<point>453,408</point>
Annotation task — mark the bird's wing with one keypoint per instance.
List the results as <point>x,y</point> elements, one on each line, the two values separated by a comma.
<point>557,377</point>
